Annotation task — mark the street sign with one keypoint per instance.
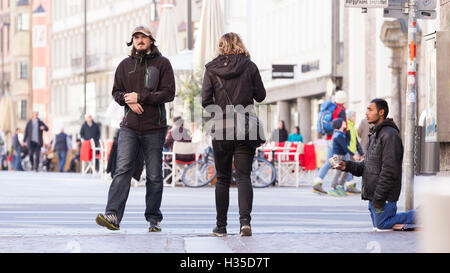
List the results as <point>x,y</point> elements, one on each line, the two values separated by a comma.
<point>398,13</point>
<point>423,5</point>
<point>367,3</point>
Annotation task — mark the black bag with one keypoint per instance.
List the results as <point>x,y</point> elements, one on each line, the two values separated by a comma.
<point>246,124</point>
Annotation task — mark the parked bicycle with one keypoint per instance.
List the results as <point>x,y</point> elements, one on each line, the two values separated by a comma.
<point>203,172</point>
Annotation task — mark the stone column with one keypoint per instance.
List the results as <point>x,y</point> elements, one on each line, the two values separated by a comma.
<point>393,37</point>
<point>304,112</point>
<point>284,114</point>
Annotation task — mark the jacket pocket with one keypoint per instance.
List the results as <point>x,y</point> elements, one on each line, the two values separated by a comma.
<point>152,78</point>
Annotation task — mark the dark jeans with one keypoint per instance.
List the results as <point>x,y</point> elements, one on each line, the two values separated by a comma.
<point>35,155</point>
<point>61,160</point>
<point>224,151</point>
<point>17,163</point>
<point>128,148</point>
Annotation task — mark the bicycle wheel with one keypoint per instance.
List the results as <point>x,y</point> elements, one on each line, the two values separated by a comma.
<point>199,174</point>
<point>263,173</point>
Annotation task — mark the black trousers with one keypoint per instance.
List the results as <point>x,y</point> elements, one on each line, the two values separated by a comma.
<point>35,155</point>
<point>224,152</point>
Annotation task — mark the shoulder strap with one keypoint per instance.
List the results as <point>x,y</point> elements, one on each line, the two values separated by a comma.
<point>223,89</point>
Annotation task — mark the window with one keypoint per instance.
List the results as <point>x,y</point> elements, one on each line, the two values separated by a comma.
<point>22,70</point>
<point>23,110</point>
<point>23,22</point>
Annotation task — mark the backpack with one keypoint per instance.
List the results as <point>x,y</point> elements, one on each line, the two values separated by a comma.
<point>325,117</point>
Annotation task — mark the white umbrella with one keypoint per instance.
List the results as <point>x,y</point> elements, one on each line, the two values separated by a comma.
<point>7,116</point>
<point>212,27</point>
<point>167,31</point>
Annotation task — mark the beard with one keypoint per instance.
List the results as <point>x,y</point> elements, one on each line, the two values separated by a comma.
<point>374,121</point>
<point>141,52</point>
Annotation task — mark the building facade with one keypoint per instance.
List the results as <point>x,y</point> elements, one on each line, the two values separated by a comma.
<point>312,46</point>
<point>41,21</point>
<point>20,59</point>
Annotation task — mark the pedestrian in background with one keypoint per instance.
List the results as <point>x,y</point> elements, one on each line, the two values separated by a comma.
<point>381,169</point>
<point>234,73</point>
<point>280,134</point>
<point>339,112</point>
<point>355,150</point>
<point>61,145</point>
<point>90,130</point>
<point>17,150</point>
<point>340,148</point>
<point>363,133</point>
<point>295,136</point>
<point>74,160</point>
<point>143,83</point>
<point>34,139</point>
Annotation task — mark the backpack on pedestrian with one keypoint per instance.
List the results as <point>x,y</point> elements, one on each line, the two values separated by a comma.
<point>325,118</point>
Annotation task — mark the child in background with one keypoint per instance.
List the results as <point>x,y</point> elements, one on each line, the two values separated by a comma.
<point>340,148</point>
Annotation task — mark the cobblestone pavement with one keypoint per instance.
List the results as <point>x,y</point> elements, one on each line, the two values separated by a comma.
<point>51,212</point>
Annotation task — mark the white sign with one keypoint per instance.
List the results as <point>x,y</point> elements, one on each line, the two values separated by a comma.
<point>422,5</point>
<point>366,3</point>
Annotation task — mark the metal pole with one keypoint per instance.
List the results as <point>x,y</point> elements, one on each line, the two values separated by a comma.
<point>190,44</point>
<point>408,162</point>
<point>85,57</point>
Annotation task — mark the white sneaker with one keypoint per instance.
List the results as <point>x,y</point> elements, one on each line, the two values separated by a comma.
<point>382,230</point>
<point>317,180</point>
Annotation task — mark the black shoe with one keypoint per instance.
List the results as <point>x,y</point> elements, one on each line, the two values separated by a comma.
<point>220,231</point>
<point>109,221</point>
<point>246,230</point>
<point>155,227</point>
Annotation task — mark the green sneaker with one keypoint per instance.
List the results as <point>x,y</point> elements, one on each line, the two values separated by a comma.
<point>155,227</point>
<point>108,221</point>
<point>341,191</point>
<point>317,188</point>
<point>351,189</point>
<point>334,192</point>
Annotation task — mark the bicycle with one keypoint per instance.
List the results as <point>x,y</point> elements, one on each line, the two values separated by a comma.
<point>203,172</point>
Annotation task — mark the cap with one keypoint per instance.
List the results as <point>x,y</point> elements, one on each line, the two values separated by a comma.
<point>337,123</point>
<point>340,97</point>
<point>143,30</point>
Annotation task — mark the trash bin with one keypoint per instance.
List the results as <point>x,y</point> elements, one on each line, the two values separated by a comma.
<point>427,154</point>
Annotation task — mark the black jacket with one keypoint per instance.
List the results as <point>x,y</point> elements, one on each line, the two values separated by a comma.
<point>87,132</point>
<point>152,77</point>
<point>240,77</point>
<point>381,169</point>
<point>28,132</point>
<point>242,82</point>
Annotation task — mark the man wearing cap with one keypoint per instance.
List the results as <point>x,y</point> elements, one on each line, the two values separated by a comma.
<point>143,83</point>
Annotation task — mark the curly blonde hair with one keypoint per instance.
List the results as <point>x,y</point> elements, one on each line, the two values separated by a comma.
<point>231,44</point>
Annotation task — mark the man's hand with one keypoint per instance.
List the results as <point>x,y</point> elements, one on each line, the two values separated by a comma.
<point>136,107</point>
<point>42,127</point>
<point>341,166</point>
<point>131,98</point>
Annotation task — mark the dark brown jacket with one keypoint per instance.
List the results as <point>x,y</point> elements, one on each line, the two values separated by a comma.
<point>155,86</point>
